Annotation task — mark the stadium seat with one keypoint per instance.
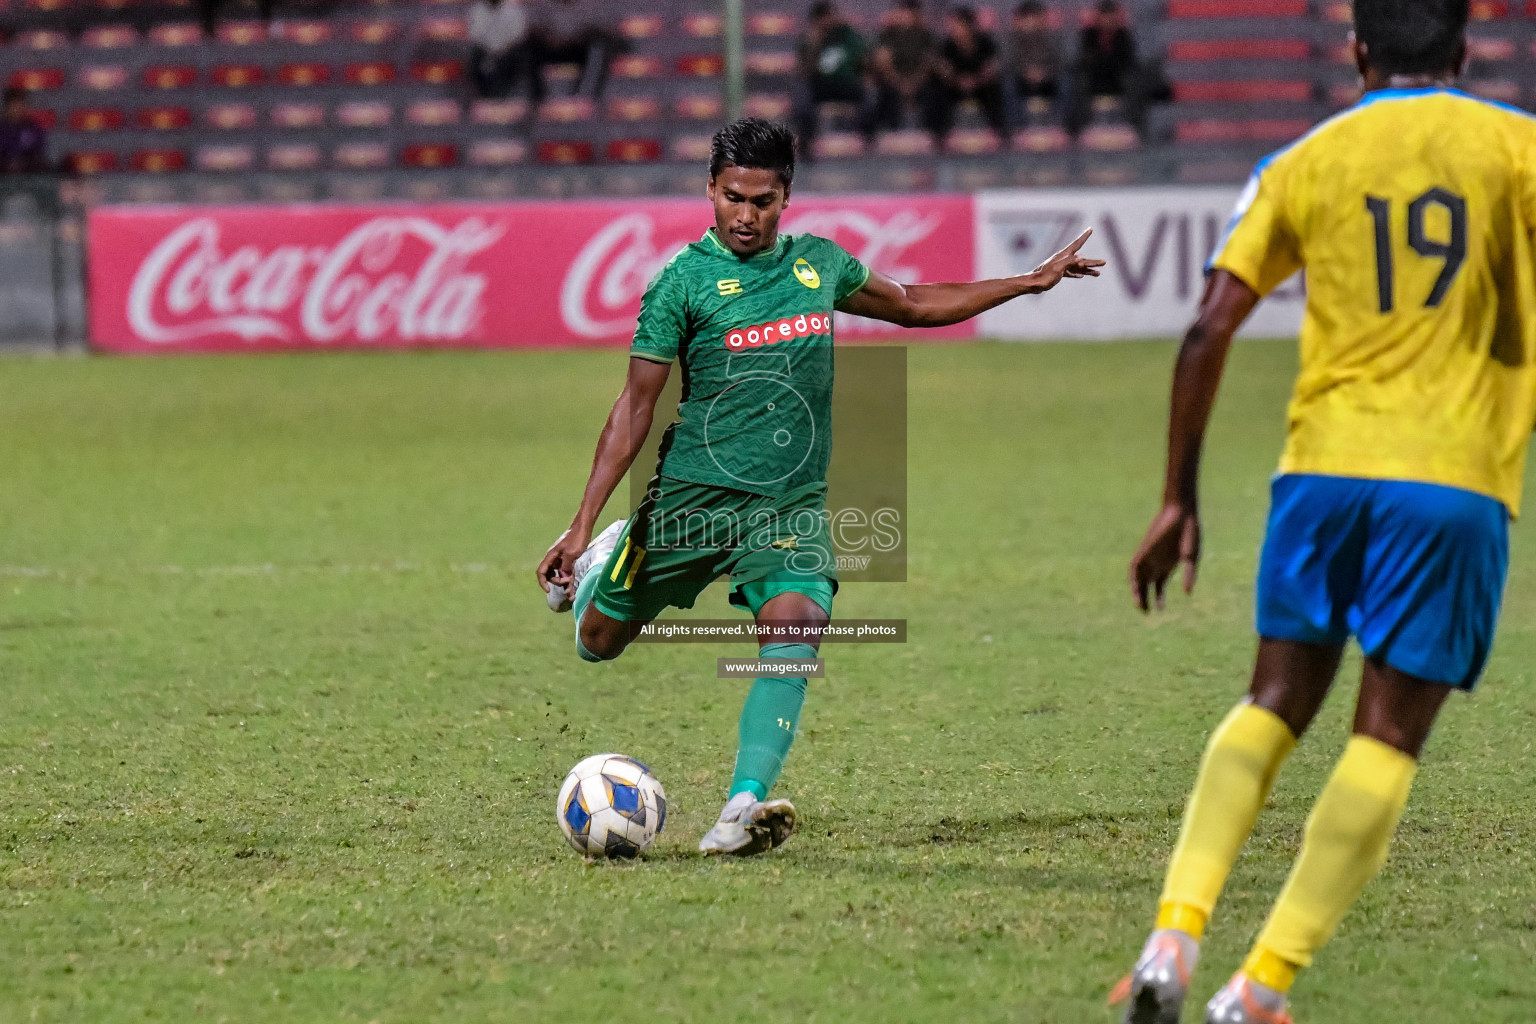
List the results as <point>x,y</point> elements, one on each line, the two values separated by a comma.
<point>1489,10</point>
<point>701,65</point>
<point>95,119</point>
<point>443,30</point>
<point>437,72</point>
<point>1486,49</point>
<point>1109,138</point>
<point>230,116</point>
<point>640,26</point>
<point>703,25</point>
<point>40,39</point>
<point>297,115</point>
<point>92,161</point>
<point>499,112</point>
<point>433,113</point>
<point>692,148</point>
<point>237,157</point>
<point>158,161</point>
<point>838,145</point>
<point>633,108</point>
<point>777,62</point>
<point>1245,91</point>
<point>577,151</point>
<point>634,67</point>
<point>293,156</point>
<point>773,105</point>
<point>364,114</point>
<point>1199,50</point>
<point>371,72</point>
<point>304,33</point>
<point>1500,90</point>
<point>972,142</point>
<point>694,106</point>
<point>1338,11</point>
<point>163,119</point>
<point>175,33</point>
<point>1241,130</point>
<point>303,74</point>
<point>496,153</point>
<point>361,156</point>
<point>373,31</point>
<point>910,142</point>
<point>1042,139</point>
<point>634,151</point>
<point>1219,9</point>
<point>241,33</point>
<point>109,37</point>
<point>771,23</point>
<point>103,77</point>
<point>37,79</point>
<point>236,76</point>
<point>566,110</point>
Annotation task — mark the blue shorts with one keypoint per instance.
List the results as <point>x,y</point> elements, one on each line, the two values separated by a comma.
<point>1415,571</point>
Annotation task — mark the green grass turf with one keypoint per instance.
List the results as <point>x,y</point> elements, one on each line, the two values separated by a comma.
<point>282,716</point>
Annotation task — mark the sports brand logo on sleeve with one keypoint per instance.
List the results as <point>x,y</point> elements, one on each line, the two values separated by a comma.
<point>803,326</point>
<point>806,274</point>
<point>729,286</point>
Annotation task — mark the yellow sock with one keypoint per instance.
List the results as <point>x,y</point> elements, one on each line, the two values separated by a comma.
<point>1270,969</point>
<point>1240,764</point>
<point>1346,843</point>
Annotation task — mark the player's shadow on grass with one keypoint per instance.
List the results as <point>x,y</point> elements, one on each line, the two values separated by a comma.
<point>1024,825</point>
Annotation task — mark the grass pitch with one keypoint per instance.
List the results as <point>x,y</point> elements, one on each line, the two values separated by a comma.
<point>282,717</point>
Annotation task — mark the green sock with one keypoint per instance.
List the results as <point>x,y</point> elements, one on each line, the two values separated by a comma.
<point>579,605</point>
<point>768,723</point>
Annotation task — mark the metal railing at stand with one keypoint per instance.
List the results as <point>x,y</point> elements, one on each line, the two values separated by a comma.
<point>42,262</point>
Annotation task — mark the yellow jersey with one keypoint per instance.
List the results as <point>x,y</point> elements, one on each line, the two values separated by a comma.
<point>1412,214</point>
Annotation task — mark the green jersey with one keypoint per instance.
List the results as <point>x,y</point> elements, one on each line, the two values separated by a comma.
<point>754,338</point>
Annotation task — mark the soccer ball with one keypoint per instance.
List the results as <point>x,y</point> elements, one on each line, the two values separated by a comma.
<point>611,806</point>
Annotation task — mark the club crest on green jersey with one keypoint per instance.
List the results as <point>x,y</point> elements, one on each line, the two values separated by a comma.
<point>806,274</point>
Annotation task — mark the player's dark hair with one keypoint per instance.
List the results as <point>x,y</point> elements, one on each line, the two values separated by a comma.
<point>755,143</point>
<point>1412,37</point>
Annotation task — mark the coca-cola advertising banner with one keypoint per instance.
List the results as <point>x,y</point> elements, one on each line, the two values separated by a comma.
<point>262,278</point>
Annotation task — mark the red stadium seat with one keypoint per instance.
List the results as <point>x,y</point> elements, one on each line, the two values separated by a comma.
<point>910,142</point>
<point>1338,11</point>
<point>373,30</point>
<point>1499,90</point>
<point>237,76</point>
<point>103,77</point>
<point>225,158</point>
<point>437,72</point>
<point>1244,130</point>
<point>433,113</point>
<point>838,145</point>
<point>640,26</point>
<point>37,79</point>
<point>771,23</point>
<point>176,33</point>
<point>496,152</point>
<point>1204,9</point>
<point>163,119</point>
<point>230,116</point>
<point>169,76</point>
<point>242,33</point>
<point>634,151</point>
<point>1489,10</point>
<point>361,155</point>
<point>1247,91</point>
<point>1490,48</point>
<point>633,108</point>
<point>1042,139</point>
<point>1109,138</point>
<point>701,65</point>
<point>779,62</point>
<point>1239,49</point>
<point>298,115</point>
<point>443,30</point>
<point>47,5</point>
<point>158,161</point>
<point>434,154</point>
<point>372,72</point>
<point>775,106</point>
<point>303,74</point>
<point>499,112</point>
<point>972,142</point>
<point>92,162</point>
<point>692,148</point>
<point>40,39</point>
<point>109,37</point>
<point>365,114</point>
<point>635,67</point>
<point>293,156</point>
<point>95,119</point>
<point>303,33</point>
<point>696,106</point>
<point>703,25</point>
<point>566,110</point>
<point>576,152</point>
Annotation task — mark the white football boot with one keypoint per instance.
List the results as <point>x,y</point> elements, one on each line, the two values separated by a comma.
<point>597,553</point>
<point>1244,1001</point>
<point>1157,985</point>
<point>749,826</point>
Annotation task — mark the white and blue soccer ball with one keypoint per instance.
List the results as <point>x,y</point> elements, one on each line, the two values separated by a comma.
<point>611,806</point>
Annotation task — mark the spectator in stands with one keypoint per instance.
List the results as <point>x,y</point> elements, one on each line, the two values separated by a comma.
<point>906,72</point>
<point>1036,53</point>
<point>969,70</point>
<point>831,71</point>
<point>23,141</point>
<point>1106,67</point>
<point>500,52</point>
<point>573,32</point>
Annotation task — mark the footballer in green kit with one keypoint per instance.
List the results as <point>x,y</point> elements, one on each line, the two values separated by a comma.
<point>741,482</point>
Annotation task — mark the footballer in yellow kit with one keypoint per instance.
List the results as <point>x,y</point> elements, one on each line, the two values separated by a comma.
<point>1412,215</point>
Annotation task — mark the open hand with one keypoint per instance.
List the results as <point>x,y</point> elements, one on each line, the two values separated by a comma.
<point>1173,538</point>
<point>1067,263</point>
<point>559,562</point>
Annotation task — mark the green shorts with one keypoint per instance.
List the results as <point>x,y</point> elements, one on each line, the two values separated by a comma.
<point>684,536</point>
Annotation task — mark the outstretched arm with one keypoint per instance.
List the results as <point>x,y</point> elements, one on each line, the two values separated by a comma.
<point>939,305</point>
<point>621,440</point>
<point>1174,536</point>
